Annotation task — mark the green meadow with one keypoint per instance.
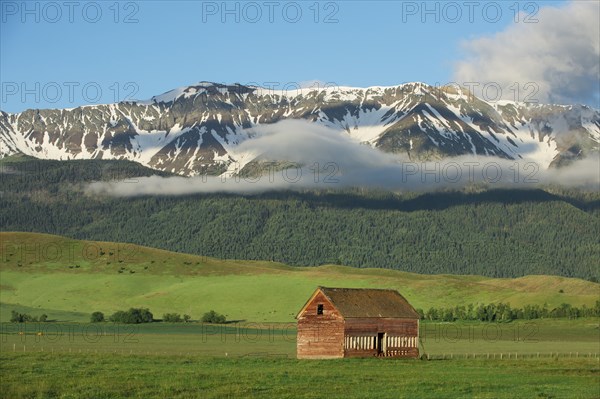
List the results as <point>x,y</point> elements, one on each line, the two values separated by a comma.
<point>253,355</point>
<point>47,375</point>
<point>541,359</point>
<point>69,279</point>
<point>538,338</point>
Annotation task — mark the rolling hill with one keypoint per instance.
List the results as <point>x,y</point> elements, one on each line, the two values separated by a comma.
<point>68,279</point>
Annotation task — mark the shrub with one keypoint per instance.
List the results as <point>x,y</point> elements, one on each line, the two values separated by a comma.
<point>16,317</point>
<point>119,316</point>
<point>213,317</point>
<point>132,316</point>
<point>43,317</point>
<point>187,318</point>
<point>97,317</point>
<point>172,318</point>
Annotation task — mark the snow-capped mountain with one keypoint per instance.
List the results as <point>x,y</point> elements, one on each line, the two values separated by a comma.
<point>197,129</point>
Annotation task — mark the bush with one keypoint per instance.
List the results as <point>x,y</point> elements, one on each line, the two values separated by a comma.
<point>172,318</point>
<point>120,316</point>
<point>132,316</point>
<point>97,317</point>
<point>43,317</point>
<point>16,317</point>
<point>187,318</point>
<point>213,317</point>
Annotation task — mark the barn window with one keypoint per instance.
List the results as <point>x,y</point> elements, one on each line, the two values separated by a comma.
<point>320,308</point>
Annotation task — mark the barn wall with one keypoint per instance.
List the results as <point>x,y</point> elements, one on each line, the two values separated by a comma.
<point>401,339</point>
<point>320,336</point>
<point>407,327</point>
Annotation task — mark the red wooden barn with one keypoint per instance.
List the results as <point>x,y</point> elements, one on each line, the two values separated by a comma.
<point>349,322</point>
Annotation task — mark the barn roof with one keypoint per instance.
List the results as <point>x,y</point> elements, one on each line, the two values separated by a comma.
<point>367,302</point>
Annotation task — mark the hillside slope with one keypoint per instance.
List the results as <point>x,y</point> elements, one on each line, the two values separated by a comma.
<point>69,279</point>
<point>497,233</point>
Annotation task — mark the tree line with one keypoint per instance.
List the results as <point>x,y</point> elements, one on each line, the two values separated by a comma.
<point>16,317</point>
<point>496,312</point>
<point>143,315</point>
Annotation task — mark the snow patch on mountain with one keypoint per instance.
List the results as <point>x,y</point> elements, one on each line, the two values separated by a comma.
<point>208,127</point>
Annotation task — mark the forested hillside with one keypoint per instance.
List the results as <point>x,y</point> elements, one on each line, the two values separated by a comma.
<point>498,233</point>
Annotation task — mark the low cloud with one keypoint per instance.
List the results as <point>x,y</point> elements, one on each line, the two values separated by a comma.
<point>559,55</point>
<point>322,158</point>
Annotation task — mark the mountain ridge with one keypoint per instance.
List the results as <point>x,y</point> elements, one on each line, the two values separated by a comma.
<point>197,129</point>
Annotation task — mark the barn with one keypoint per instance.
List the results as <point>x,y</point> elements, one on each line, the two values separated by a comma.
<point>356,322</point>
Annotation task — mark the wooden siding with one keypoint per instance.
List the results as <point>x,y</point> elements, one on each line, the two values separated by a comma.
<point>335,334</point>
<point>400,327</point>
<point>320,336</point>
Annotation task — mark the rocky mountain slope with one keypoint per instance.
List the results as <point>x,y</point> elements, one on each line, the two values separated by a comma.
<point>197,129</point>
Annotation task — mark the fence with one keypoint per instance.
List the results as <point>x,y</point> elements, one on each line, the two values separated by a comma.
<point>92,351</point>
<point>512,355</point>
<point>428,356</point>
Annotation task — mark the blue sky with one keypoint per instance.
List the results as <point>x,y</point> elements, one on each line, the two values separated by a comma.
<point>170,44</point>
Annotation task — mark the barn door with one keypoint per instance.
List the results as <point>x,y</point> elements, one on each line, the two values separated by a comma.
<point>380,340</point>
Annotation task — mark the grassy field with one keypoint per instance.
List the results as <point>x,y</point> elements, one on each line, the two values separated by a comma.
<point>254,355</point>
<point>80,360</point>
<point>569,338</point>
<point>47,375</point>
<point>68,279</point>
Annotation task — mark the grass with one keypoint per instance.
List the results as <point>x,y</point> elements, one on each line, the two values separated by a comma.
<point>68,279</point>
<point>255,357</point>
<point>567,337</point>
<point>74,360</point>
<point>564,336</point>
<point>132,376</point>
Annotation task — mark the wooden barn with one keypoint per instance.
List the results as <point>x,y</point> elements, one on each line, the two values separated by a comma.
<point>350,322</point>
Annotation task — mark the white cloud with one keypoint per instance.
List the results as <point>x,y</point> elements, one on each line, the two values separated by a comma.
<point>560,54</point>
<point>343,163</point>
